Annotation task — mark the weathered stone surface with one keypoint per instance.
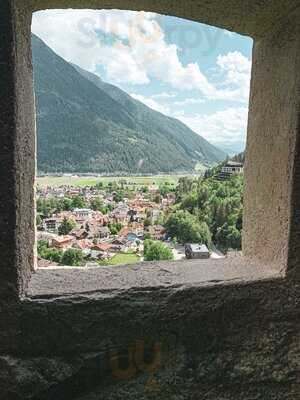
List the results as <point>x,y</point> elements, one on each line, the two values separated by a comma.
<point>231,342</point>
<point>22,379</point>
<point>17,148</point>
<point>8,270</point>
<point>272,154</point>
<point>254,18</point>
<point>56,282</point>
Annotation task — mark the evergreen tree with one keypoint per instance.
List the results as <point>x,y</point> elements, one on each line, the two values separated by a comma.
<point>66,226</point>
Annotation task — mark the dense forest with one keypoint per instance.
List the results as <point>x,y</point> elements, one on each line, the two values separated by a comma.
<point>208,211</point>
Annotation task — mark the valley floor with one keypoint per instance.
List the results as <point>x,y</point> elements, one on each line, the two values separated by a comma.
<point>79,181</point>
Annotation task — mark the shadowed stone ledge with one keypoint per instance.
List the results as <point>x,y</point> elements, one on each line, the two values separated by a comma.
<point>66,281</point>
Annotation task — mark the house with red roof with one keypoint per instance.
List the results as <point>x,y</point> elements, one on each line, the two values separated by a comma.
<point>101,250</point>
<point>63,242</point>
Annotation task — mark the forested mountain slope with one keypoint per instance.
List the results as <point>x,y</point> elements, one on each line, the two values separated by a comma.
<point>87,125</point>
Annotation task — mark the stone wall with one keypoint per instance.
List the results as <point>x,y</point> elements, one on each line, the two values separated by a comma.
<point>225,342</point>
<point>17,152</point>
<point>273,133</point>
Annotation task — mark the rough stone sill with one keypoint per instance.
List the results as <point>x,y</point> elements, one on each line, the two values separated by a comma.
<point>64,282</point>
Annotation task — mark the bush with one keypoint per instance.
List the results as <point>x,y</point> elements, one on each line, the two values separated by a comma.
<point>72,257</point>
<point>47,253</point>
<point>154,250</point>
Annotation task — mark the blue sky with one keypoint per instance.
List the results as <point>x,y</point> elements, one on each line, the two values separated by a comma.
<point>194,72</point>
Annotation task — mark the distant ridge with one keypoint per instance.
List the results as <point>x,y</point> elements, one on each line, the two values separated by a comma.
<point>87,125</point>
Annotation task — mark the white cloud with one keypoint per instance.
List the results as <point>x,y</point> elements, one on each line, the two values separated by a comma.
<point>189,101</point>
<point>226,127</point>
<point>150,102</point>
<point>236,70</point>
<point>74,35</point>
<point>136,51</point>
<point>164,95</point>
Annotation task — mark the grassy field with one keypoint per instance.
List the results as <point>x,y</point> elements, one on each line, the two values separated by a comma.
<point>76,181</point>
<point>121,258</point>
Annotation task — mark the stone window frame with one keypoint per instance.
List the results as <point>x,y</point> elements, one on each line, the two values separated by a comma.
<point>272,194</point>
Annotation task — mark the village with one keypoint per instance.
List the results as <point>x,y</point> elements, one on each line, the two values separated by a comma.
<point>109,224</point>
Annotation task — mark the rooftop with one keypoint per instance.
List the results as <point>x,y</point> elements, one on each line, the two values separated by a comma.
<point>202,248</point>
<point>234,164</point>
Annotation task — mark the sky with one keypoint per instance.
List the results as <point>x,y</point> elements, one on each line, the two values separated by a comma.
<point>190,71</point>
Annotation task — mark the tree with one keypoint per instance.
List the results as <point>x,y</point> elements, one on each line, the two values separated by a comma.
<point>115,228</point>
<point>99,185</point>
<point>183,187</point>
<point>190,201</point>
<point>187,228</point>
<point>72,257</point>
<point>46,207</point>
<point>165,188</point>
<point>67,204</point>
<point>228,236</point>
<point>66,226</point>
<point>109,207</point>
<point>147,222</point>
<point>78,202</point>
<point>213,209</point>
<point>118,196</point>
<point>155,250</point>
<point>157,199</point>
<point>38,221</point>
<point>97,204</point>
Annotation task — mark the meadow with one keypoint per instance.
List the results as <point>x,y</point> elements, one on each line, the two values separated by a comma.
<point>81,181</point>
<point>121,259</point>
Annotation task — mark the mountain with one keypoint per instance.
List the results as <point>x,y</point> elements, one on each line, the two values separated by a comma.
<point>87,125</point>
<point>233,148</point>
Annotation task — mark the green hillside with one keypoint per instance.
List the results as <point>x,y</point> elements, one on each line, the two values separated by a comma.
<point>87,125</point>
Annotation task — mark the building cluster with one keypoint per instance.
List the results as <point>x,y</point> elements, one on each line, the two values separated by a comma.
<point>95,232</point>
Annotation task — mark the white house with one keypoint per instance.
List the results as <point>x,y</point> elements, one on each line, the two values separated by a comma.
<point>83,213</point>
<point>51,224</point>
<point>232,167</point>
